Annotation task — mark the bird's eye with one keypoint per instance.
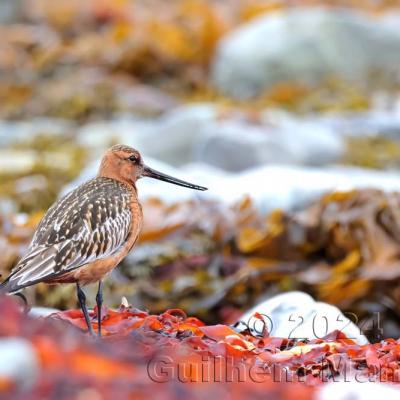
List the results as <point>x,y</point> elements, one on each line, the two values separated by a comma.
<point>133,158</point>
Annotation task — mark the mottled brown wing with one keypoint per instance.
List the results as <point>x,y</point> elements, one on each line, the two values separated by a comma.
<point>90,223</point>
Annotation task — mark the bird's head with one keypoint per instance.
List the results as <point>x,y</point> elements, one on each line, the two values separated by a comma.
<point>126,164</point>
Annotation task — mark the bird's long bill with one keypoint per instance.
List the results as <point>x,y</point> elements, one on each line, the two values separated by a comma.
<point>152,173</point>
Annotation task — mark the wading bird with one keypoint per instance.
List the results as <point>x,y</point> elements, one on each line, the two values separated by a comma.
<point>86,234</point>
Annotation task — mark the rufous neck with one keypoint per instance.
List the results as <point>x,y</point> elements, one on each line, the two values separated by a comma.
<point>108,170</point>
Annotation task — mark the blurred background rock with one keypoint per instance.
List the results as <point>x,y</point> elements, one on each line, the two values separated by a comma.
<point>287,110</point>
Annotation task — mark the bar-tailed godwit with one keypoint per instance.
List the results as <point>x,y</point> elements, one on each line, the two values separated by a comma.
<point>86,234</point>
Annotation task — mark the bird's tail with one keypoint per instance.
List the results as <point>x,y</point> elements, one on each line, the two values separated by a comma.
<point>4,286</point>
<point>7,290</point>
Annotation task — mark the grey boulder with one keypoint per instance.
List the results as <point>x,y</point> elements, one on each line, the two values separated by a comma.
<point>306,45</point>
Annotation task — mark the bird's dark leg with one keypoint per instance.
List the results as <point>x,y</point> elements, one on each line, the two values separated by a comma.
<point>82,302</point>
<point>99,302</point>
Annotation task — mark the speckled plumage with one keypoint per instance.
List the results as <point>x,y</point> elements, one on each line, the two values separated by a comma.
<point>93,222</point>
<point>87,233</point>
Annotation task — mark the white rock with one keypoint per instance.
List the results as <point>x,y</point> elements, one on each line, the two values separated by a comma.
<point>19,131</point>
<point>357,390</point>
<point>304,44</point>
<point>176,138</point>
<point>392,19</point>
<point>98,136</point>
<point>362,124</point>
<point>194,133</point>
<point>18,361</point>
<point>291,187</point>
<point>235,145</point>
<point>170,138</point>
<point>295,315</point>
<point>42,311</point>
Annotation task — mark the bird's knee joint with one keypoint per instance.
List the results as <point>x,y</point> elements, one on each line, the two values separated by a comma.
<point>99,298</point>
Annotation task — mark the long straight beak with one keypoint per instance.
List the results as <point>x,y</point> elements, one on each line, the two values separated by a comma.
<point>152,173</point>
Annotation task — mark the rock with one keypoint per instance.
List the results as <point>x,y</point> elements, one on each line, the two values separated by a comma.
<point>179,133</point>
<point>295,315</point>
<point>18,131</point>
<point>292,187</point>
<point>18,362</point>
<point>224,144</point>
<point>306,45</point>
<point>196,133</point>
<point>171,138</point>
<point>362,124</point>
<point>42,311</point>
<point>392,20</point>
<point>357,388</point>
<point>98,136</point>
